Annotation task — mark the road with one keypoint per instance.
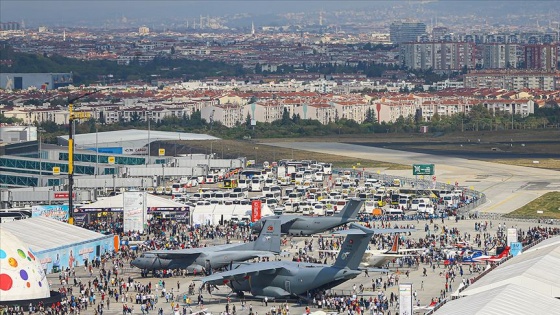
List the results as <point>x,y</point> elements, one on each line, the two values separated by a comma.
<point>507,187</point>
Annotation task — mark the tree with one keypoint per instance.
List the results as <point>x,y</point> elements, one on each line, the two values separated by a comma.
<point>286,117</point>
<point>370,116</point>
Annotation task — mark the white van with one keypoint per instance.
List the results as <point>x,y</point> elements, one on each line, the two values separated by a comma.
<point>256,184</point>
<point>318,177</point>
<point>394,211</point>
<point>243,183</point>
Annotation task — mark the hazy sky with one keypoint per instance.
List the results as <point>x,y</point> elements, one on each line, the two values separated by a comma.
<point>30,10</point>
<point>71,12</point>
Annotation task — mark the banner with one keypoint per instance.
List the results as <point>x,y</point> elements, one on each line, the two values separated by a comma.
<point>80,218</point>
<point>134,211</point>
<point>511,236</point>
<point>405,299</point>
<point>255,210</point>
<point>516,248</point>
<point>57,212</point>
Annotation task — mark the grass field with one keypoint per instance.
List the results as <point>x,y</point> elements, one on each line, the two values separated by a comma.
<point>536,141</point>
<point>548,203</point>
<point>260,153</point>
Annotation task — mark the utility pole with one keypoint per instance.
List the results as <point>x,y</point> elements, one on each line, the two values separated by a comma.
<point>71,117</point>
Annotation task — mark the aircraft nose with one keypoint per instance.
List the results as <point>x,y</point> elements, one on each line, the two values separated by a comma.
<point>136,263</point>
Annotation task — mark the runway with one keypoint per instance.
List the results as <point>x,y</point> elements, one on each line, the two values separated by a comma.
<point>506,187</point>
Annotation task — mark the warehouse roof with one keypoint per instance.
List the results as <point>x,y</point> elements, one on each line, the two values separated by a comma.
<point>131,138</point>
<point>44,234</point>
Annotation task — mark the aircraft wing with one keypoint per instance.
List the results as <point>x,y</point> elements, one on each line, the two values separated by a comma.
<point>409,250</point>
<point>375,269</point>
<point>387,231</point>
<point>245,271</point>
<point>189,252</point>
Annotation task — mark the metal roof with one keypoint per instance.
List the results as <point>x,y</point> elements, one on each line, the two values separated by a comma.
<point>131,138</point>
<point>42,234</point>
<point>509,299</point>
<point>536,270</point>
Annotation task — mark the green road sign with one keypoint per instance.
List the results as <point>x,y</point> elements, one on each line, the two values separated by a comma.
<point>423,169</point>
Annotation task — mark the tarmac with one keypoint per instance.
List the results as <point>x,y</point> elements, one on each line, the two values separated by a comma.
<point>506,187</point>
<point>426,287</point>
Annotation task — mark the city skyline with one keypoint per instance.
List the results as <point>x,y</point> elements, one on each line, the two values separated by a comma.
<point>36,13</point>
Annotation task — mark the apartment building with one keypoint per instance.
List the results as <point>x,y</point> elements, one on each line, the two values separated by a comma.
<point>227,114</point>
<point>390,109</point>
<point>324,112</point>
<point>541,57</point>
<point>517,107</point>
<point>264,111</point>
<point>499,55</point>
<point>438,55</point>
<point>513,79</point>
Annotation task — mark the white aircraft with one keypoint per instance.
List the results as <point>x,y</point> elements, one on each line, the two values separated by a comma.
<point>374,258</point>
<point>379,258</point>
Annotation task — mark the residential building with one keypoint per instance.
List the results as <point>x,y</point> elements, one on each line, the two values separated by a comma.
<point>499,56</point>
<point>517,107</point>
<point>541,57</point>
<point>438,55</point>
<point>513,79</point>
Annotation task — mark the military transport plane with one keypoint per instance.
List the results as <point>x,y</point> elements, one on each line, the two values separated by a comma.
<point>300,225</point>
<point>278,279</point>
<point>200,260</point>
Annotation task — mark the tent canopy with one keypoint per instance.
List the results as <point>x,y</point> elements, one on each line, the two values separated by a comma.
<point>115,204</point>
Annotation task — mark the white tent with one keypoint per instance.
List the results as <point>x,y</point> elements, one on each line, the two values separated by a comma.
<point>115,203</point>
<point>213,214</point>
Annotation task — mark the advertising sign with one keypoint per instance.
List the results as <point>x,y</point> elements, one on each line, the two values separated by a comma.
<point>63,195</point>
<point>511,236</point>
<point>405,298</point>
<point>161,152</point>
<point>135,151</point>
<point>516,248</point>
<point>56,170</point>
<point>255,210</point>
<point>111,160</point>
<point>134,211</point>
<point>57,212</point>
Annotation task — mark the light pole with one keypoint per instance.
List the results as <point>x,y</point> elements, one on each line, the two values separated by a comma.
<point>149,116</point>
<point>40,131</point>
<point>71,119</point>
<point>96,150</point>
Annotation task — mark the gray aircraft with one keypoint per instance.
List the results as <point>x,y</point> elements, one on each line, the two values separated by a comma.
<point>281,279</point>
<point>301,225</point>
<point>204,259</point>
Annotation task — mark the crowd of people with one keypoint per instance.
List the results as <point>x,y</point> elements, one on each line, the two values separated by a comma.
<point>109,279</point>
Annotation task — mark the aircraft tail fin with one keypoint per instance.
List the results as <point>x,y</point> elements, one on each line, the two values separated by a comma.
<point>395,248</point>
<point>353,247</point>
<point>351,209</point>
<point>269,238</point>
<point>504,253</point>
